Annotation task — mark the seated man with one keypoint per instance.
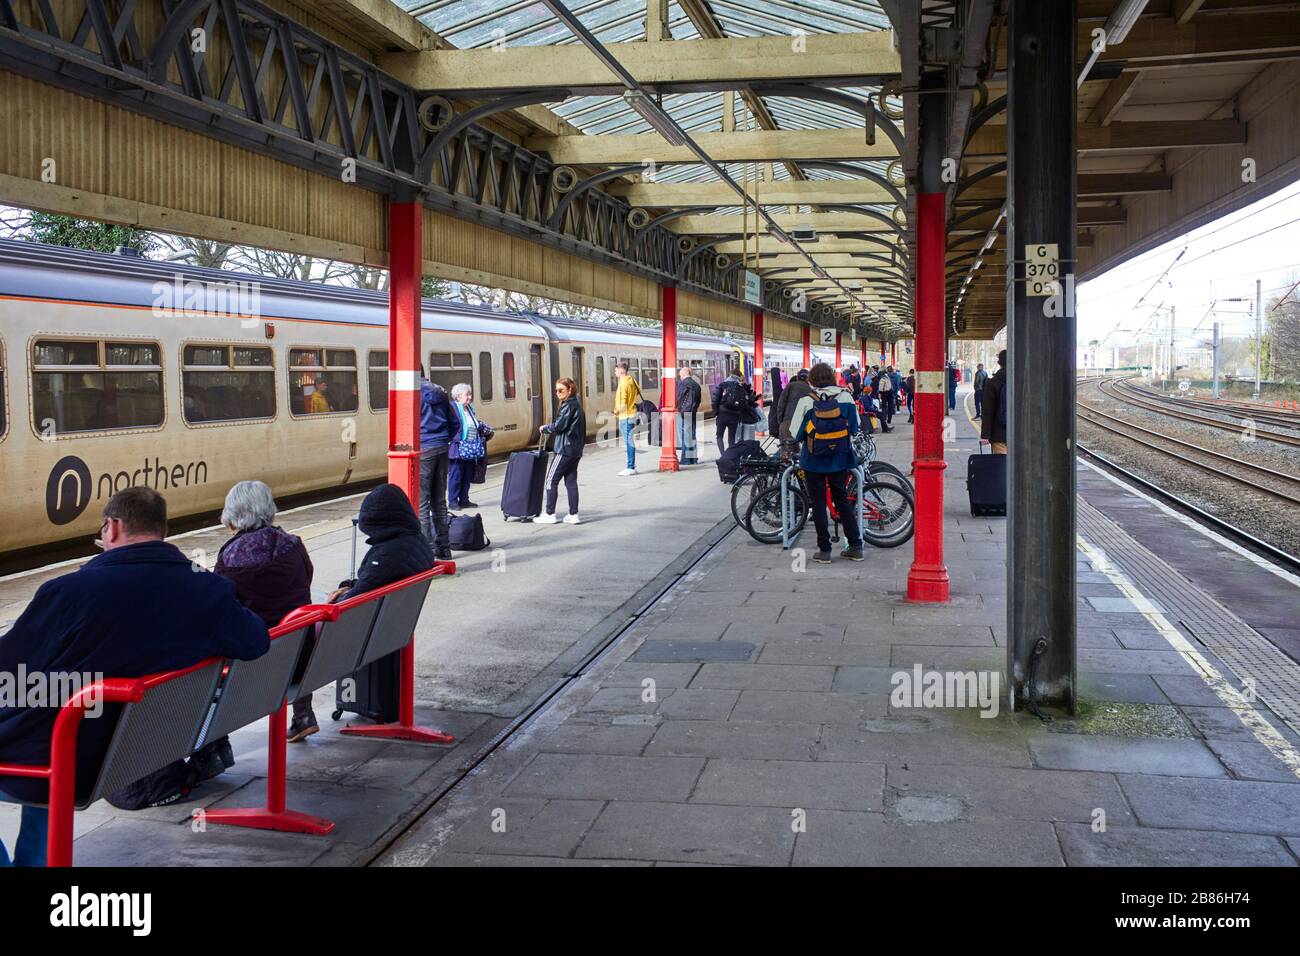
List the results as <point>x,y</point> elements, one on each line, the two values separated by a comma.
<point>139,608</point>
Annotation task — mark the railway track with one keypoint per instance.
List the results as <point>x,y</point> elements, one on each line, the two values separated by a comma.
<point>1131,395</point>
<point>1232,471</point>
<point>1278,556</point>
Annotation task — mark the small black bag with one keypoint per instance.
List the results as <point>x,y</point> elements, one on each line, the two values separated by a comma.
<point>169,784</point>
<point>480,472</point>
<point>466,533</point>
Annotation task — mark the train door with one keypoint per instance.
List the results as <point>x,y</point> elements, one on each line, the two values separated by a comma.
<point>535,391</point>
<point>579,378</point>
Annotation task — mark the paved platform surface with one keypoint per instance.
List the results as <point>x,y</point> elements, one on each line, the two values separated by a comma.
<point>745,717</point>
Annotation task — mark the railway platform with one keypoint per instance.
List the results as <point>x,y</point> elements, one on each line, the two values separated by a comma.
<point>654,688</point>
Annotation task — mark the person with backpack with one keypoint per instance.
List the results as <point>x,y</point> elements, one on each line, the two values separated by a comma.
<point>885,391</point>
<point>626,402</point>
<point>828,420</point>
<point>993,425</point>
<point>570,432</point>
<point>730,404</point>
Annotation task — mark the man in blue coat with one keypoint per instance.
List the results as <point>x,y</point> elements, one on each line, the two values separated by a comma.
<point>139,608</point>
<point>438,423</point>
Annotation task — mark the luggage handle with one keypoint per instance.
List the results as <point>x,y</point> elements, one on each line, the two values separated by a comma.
<point>541,442</point>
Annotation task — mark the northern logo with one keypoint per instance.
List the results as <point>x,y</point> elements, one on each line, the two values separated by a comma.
<point>68,490</point>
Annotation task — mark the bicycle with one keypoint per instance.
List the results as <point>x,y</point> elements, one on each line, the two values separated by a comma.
<point>888,512</point>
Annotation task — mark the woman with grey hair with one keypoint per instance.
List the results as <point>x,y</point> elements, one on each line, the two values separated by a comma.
<point>272,575</point>
<point>468,447</point>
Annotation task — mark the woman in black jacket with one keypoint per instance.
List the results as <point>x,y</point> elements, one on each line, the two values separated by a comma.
<point>570,431</point>
<point>396,550</point>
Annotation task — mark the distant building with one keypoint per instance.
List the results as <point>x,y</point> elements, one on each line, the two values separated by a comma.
<point>1097,356</point>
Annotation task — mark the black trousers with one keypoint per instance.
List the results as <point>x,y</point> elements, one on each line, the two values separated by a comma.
<point>566,467</point>
<point>433,499</point>
<point>839,485</point>
<point>726,432</point>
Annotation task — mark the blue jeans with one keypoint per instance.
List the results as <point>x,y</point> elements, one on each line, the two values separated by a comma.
<point>625,428</point>
<point>686,446</point>
<point>33,834</point>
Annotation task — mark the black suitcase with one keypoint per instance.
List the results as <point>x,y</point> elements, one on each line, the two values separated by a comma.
<point>467,534</point>
<point>374,691</point>
<point>729,460</point>
<point>986,483</point>
<point>521,494</point>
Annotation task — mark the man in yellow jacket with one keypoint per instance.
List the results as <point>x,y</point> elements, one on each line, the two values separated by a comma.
<point>625,408</point>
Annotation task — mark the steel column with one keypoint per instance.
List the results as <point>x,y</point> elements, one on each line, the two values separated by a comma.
<point>927,579</point>
<point>1041,158</point>
<point>839,351</point>
<point>807,346</point>
<point>668,381</point>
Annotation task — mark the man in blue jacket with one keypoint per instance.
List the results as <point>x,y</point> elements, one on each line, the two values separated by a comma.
<point>139,608</point>
<point>438,422</point>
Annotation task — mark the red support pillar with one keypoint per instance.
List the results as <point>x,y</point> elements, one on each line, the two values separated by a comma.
<point>927,580</point>
<point>864,365</point>
<point>404,272</point>
<point>807,346</point>
<point>758,364</point>
<point>893,354</point>
<point>668,381</point>
<point>839,351</point>
<point>882,352</point>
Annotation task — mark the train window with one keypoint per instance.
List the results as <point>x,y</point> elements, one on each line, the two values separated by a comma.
<point>377,379</point>
<point>484,377</point>
<point>650,373</point>
<point>613,374</point>
<point>224,383</point>
<point>600,373</point>
<point>322,381</point>
<point>94,385</point>
<point>450,369</point>
<point>508,375</point>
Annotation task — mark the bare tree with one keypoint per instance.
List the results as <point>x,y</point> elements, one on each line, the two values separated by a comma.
<point>1282,348</point>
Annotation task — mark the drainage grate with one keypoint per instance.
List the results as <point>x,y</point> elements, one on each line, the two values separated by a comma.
<point>1249,654</point>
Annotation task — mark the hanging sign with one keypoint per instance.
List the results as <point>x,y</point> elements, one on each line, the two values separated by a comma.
<point>753,288</point>
<point>827,337</point>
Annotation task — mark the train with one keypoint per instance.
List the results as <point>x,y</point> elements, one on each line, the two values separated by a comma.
<point>116,370</point>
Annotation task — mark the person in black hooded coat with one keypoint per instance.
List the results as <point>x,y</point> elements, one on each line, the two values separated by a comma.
<point>396,550</point>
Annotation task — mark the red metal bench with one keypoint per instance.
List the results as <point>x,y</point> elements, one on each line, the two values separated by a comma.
<point>167,716</point>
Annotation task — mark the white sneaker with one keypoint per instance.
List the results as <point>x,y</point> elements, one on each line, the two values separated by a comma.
<point>572,519</point>
<point>627,472</point>
<point>546,519</point>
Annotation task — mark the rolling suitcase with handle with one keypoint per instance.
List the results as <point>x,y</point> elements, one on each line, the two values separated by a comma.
<point>525,483</point>
<point>986,483</point>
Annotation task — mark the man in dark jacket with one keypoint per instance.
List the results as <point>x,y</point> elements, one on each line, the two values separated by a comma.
<point>981,377</point>
<point>139,608</point>
<point>689,398</point>
<point>438,423</point>
<point>993,424</point>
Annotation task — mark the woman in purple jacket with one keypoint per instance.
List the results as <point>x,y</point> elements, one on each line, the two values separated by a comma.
<point>272,575</point>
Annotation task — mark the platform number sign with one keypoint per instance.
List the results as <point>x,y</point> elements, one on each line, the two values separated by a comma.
<point>827,337</point>
<point>1042,270</point>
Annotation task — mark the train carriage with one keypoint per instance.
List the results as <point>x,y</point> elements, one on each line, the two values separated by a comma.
<point>118,371</point>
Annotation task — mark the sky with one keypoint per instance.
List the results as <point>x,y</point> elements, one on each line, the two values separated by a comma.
<point>1222,261</point>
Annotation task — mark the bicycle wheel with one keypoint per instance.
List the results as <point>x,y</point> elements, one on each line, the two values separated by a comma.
<point>877,469</point>
<point>745,490</point>
<point>763,521</point>
<point>889,515</point>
